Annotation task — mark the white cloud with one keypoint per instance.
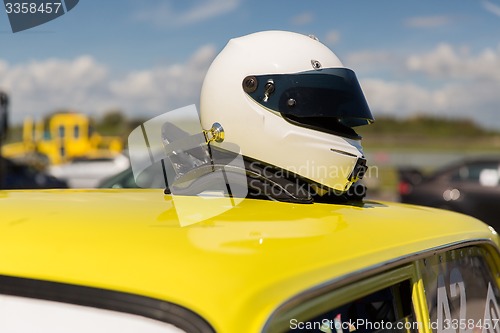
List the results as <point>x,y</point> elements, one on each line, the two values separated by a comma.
<point>396,98</point>
<point>372,61</point>
<point>42,86</point>
<point>332,37</point>
<point>83,84</point>
<point>303,18</point>
<point>162,89</point>
<point>3,67</point>
<point>491,7</point>
<point>164,16</point>
<point>447,62</point>
<point>446,81</point>
<point>479,102</point>
<point>428,21</point>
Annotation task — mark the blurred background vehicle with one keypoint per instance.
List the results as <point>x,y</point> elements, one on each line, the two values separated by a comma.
<point>88,172</point>
<point>470,186</point>
<point>18,176</point>
<point>62,150</point>
<point>60,138</point>
<point>125,179</point>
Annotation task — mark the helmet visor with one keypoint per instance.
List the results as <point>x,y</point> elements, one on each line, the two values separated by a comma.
<point>327,99</point>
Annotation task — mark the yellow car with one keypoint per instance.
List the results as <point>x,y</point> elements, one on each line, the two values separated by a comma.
<point>122,261</point>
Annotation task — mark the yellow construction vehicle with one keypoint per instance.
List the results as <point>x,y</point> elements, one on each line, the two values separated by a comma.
<point>62,137</point>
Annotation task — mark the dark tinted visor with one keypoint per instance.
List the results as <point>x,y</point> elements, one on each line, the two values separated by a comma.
<point>326,99</point>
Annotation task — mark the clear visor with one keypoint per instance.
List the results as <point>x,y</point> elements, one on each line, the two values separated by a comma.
<point>329,98</point>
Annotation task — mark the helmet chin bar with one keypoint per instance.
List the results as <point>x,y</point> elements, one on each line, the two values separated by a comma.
<point>271,182</point>
<point>265,181</point>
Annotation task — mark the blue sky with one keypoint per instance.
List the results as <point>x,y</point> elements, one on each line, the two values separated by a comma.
<point>148,57</point>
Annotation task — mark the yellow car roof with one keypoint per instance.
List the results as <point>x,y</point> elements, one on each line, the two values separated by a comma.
<point>246,260</point>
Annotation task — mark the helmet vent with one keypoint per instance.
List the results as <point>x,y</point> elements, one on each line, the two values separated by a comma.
<point>316,64</point>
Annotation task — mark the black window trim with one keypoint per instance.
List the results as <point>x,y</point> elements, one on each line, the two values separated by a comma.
<point>144,306</point>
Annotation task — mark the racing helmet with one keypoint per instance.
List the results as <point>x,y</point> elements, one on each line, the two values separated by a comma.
<point>286,100</point>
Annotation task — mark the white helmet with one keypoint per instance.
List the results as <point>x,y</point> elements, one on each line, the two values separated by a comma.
<point>287,101</point>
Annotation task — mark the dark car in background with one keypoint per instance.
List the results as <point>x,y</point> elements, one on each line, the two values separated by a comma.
<point>125,179</point>
<point>18,176</point>
<point>471,186</point>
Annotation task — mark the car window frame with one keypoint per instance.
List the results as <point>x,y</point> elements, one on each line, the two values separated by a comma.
<point>106,299</point>
<point>326,298</point>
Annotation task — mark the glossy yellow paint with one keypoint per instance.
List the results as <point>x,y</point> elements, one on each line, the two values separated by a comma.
<point>234,269</point>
